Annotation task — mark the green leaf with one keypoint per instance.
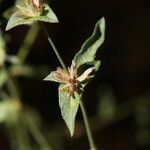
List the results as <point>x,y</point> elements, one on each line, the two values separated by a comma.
<point>69,106</point>
<point>51,77</point>
<point>16,21</point>
<point>47,16</point>
<point>88,50</point>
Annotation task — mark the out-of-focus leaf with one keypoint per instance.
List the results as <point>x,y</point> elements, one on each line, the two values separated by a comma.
<point>29,71</point>
<point>9,110</point>
<point>3,77</point>
<point>8,12</point>
<point>12,59</point>
<point>2,51</point>
<point>21,70</point>
<point>106,108</point>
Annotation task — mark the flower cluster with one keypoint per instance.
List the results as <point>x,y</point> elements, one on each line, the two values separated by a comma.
<point>29,8</point>
<point>72,82</point>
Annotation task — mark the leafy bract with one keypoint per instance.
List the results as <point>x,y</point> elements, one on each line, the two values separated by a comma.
<point>69,107</point>
<point>47,16</point>
<point>50,77</point>
<point>16,21</point>
<point>88,50</point>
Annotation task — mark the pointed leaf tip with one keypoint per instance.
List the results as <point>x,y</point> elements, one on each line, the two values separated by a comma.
<point>69,107</point>
<point>16,21</point>
<point>89,48</point>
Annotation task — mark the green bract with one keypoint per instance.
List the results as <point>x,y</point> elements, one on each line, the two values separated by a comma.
<point>69,107</point>
<point>46,16</point>
<point>72,82</point>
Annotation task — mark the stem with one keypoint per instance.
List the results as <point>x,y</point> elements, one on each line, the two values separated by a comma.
<point>88,130</point>
<point>13,89</point>
<point>23,137</point>
<point>17,130</point>
<point>54,47</point>
<point>34,129</point>
<point>27,43</point>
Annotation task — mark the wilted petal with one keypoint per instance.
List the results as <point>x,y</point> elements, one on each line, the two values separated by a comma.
<point>73,70</point>
<point>36,3</point>
<point>28,8</point>
<point>61,75</point>
<point>85,75</point>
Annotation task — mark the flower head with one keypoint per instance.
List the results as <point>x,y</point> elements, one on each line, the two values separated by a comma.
<point>29,8</point>
<point>72,82</point>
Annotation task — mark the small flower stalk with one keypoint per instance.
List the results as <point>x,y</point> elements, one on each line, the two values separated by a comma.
<point>70,79</point>
<point>29,8</point>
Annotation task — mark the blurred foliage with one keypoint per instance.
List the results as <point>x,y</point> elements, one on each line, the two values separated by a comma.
<point>22,123</point>
<point>2,51</point>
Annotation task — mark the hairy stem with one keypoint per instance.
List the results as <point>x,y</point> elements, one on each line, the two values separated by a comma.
<point>88,130</point>
<point>54,47</point>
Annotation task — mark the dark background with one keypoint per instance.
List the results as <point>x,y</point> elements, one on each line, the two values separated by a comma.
<point>125,65</point>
